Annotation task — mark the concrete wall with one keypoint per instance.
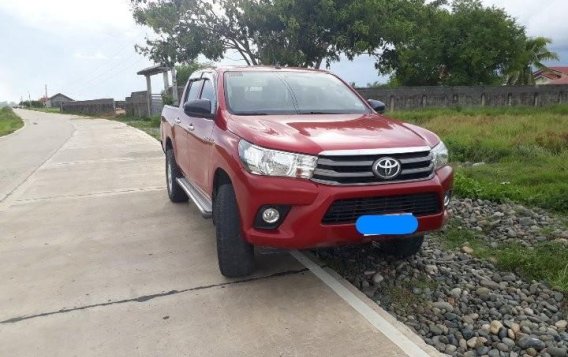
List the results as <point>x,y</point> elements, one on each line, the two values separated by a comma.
<point>136,104</point>
<point>90,107</point>
<point>476,96</point>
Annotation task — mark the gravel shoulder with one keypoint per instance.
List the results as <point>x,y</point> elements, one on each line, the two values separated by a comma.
<point>472,291</point>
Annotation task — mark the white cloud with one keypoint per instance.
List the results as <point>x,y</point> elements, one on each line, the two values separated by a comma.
<point>6,91</point>
<point>98,55</point>
<point>541,18</point>
<point>71,15</point>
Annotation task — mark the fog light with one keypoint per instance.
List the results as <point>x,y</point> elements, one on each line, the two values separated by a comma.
<point>447,198</point>
<point>270,215</point>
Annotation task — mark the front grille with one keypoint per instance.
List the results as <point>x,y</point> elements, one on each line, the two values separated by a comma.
<point>357,169</point>
<point>347,211</point>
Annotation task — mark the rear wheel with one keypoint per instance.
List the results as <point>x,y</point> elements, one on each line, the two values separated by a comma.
<point>175,192</point>
<point>402,247</point>
<point>236,256</point>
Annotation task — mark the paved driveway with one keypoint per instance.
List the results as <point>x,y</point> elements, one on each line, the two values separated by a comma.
<point>95,260</point>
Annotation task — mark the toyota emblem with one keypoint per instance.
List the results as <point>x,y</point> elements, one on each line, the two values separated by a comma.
<point>386,168</point>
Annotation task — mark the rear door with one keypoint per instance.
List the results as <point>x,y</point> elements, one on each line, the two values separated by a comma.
<point>200,138</point>
<point>183,126</point>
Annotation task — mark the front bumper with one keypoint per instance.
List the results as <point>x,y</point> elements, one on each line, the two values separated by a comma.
<point>309,201</point>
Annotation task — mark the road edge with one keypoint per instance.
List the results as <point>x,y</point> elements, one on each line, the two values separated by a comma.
<point>25,121</point>
<point>398,333</point>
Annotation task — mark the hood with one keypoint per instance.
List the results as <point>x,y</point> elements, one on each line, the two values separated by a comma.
<point>312,134</point>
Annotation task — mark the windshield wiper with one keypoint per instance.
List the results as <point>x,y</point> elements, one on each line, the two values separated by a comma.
<point>318,112</point>
<point>251,113</point>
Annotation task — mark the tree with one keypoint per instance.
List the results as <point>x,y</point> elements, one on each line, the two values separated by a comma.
<point>536,52</point>
<point>468,44</point>
<point>184,71</point>
<point>179,36</point>
<point>286,32</point>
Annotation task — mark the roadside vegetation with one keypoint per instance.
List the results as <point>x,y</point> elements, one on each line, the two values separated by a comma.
<point>547,260</point>
<point>9,121</point>
<point>47,110</point>
<point>151,125</point>
<point>500,154</point>
<point>511,154</point>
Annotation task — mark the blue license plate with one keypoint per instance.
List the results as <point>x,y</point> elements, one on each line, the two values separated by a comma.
<point>390,224</point>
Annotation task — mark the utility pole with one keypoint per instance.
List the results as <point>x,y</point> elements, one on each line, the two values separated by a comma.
<point>174,85</point>
<point>45,97</point>
<point>29,100</point>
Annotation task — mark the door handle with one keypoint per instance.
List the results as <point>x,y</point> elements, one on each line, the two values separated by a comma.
<point>178,121</point>
<point>191,127</point>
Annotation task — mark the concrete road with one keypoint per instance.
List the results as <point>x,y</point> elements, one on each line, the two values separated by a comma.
<point>95,260</point>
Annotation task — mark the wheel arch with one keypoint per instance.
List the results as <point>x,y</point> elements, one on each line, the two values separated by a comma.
<point>168,144</point>
<point>220,177</point>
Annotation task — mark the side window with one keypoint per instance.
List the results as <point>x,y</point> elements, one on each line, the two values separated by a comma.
<point>193,91</point>
<point>208,92</point>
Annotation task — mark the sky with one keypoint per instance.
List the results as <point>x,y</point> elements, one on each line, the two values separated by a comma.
<point>85,48</point>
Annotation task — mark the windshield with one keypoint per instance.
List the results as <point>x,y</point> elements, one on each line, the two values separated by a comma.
<point>283,92</point>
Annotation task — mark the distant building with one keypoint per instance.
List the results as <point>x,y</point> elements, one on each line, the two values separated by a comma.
<point>56,100</point>
<point>552,75</point>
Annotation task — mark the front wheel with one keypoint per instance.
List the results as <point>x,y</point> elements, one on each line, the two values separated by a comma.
<point>236,256</point>
<point>402,247</point>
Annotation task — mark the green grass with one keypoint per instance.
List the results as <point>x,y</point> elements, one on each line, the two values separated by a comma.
<point>9,121</point>
<point>544,261</point>
<point>47,110</point>
<point>401,294</point>
<point>148,125</point>
<point>525,151</point>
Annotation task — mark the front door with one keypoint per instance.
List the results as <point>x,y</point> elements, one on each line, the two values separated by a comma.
<point>200,138</point>
<point>182,128</point>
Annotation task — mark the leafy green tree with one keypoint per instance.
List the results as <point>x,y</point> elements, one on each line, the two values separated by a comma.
<point>536,52</point>
<point>184,71</point>
<point>468,44</point>
<point>286,32</point>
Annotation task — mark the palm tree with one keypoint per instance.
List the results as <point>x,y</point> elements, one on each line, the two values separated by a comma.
<point>535,53</point>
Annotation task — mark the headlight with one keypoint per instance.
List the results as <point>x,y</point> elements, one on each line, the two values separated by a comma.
<point>261,161</point>
<point>440,155</point>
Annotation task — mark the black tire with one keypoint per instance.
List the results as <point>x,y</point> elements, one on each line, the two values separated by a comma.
<point>402,247</point>
<point>236,256</point>
<point>175,192</point>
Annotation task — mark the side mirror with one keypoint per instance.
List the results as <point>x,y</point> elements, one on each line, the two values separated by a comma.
<point>377,105</point>
<point>198,108</point>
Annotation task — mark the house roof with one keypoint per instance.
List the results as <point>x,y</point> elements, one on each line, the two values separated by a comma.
<point>150,71</point>
<point>561,80</point>
<point>60,94</point>
<point>561,69</point>
<point>555,75</point>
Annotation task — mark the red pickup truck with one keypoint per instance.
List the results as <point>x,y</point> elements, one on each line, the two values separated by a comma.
<point>293,158</point>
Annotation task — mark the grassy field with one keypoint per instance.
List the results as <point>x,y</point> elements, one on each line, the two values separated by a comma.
<point>47,110</point>
<point>523,152</point>
<point>544,261</point>
<point>148,125</point>
<point>9,121</point>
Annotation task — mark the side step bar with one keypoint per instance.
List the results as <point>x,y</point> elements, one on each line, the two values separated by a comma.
<point>201,201</point>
